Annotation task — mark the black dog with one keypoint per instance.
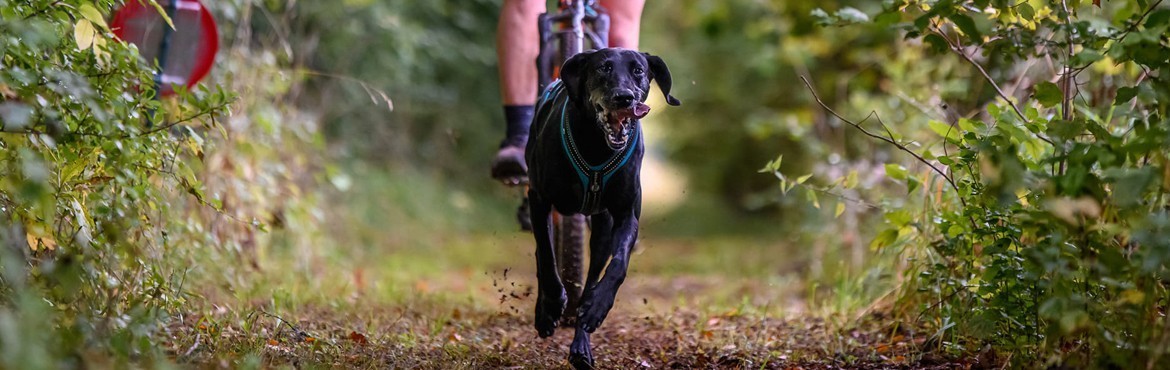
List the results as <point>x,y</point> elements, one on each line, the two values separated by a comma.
<point>584,156</point>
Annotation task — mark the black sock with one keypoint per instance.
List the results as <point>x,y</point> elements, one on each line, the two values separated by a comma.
<point>518,118</point>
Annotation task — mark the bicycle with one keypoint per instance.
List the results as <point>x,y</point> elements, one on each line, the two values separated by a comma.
<point>575,22</point>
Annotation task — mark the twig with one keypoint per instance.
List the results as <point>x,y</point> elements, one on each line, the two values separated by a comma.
<point>958,50</point>
<point>1066,101</point>
<point>891,141</point>
<point>193,346</point>
<point>300,334</point>
<point>370,91</point>
<point>211,110</point>
<point>1134,26</point>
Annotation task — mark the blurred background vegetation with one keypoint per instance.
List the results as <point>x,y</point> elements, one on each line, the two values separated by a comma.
<point>333,132</point>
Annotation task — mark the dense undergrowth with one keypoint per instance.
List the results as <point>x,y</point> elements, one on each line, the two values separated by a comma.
<point>1034,214</point>
<point>109,196</point>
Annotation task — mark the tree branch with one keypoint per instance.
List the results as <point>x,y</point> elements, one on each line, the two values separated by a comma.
<point>955,47</point>
<point>890,140</point>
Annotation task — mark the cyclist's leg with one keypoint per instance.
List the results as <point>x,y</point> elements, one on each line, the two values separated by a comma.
<point>517,45</point>
<point>625,17</point>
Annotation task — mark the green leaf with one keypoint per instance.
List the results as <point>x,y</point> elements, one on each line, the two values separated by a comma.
<point>840,209</point>
<point>967,25</point>
<point>937,43</point>
<point>1158,18</point>
<point>811,195</point>
<point>91,14</point>
<point>948,132</point>
<point>852,15</point>
<point>1086,57</point>
<point>1066,130</point>
<point>883,239</point>
<point>1047,94</point>
<point>822,18</point>
<point>1026,11</point>
<point>1125,94</point>
<point>887,18</point>
<point>895,171</point>
<point>912,184</point>
<point>802,179</point>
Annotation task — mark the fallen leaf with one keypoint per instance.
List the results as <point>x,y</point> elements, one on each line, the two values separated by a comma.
<point>707,334</point>
<point>713,321</point>
<point>455,314</point>
<point>358,338</point>
<point>310,339</point>
<point>455,337</point>
<point>273,342</point>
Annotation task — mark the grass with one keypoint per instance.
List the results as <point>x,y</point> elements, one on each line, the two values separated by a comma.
<point>403,279</point>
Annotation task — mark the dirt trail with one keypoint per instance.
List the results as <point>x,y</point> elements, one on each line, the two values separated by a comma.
<point>476,313</point>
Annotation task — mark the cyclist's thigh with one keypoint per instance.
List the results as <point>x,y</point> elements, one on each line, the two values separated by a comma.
<point>625,17</point>
<point>525,8</point>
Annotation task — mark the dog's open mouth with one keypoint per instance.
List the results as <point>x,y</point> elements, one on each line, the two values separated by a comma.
<point>619,124</point>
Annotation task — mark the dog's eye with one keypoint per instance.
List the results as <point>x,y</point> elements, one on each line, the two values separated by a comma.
<point>638,71</point>
<point>605,68</point>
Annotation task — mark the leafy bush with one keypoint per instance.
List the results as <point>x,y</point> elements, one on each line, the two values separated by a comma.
<point>85,183</point>
<point>1038,222</point>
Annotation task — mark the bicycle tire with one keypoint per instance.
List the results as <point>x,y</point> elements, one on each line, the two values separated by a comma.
<point>569,238</point>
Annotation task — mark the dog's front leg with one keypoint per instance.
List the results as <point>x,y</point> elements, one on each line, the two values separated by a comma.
<point>550,298</point>
<point>600,248</point>
<point>594,310</point>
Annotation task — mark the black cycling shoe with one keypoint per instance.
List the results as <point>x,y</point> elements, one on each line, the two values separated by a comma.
<point>509,166</point>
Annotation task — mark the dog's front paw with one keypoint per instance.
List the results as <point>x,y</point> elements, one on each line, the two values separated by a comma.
<point>593,312</point>
<point>580,355</point>
<point>548,311</point>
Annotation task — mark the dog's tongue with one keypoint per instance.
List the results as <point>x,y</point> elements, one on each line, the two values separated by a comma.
<point>637,111</point>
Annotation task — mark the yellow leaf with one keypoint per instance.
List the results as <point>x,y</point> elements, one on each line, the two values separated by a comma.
<point>37,243</point>
<point>1133,296</point>
<point>851,179</point>
<point>163,13</point>
<point>83,33</point>
<point>840,209</point>
<point>91,14</point>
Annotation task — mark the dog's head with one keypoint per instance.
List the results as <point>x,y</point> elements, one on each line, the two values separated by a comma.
<point>614,83</point>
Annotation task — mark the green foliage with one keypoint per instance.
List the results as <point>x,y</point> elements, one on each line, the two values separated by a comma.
<point>1046,234</point>
<point>84,184</point>
<point>427,58</point>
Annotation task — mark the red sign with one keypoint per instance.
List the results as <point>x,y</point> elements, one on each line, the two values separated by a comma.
<point>185,53</point>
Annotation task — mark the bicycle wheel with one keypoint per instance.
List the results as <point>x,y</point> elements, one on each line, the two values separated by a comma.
<point>569,239</point>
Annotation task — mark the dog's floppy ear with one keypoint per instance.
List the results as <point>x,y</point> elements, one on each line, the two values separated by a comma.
<point>661,74</point>
<point>573,71</point>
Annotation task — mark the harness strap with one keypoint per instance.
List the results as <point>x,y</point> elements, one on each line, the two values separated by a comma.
<point>593,178</point>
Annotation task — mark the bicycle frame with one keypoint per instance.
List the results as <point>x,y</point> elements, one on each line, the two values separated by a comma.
<point>579,20</point>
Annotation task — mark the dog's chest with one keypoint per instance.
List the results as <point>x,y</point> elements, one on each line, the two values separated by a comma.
<point>571,171</point>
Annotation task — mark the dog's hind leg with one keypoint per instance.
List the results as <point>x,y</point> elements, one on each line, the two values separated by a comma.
<point>550,298</point>
<point>601,297</point>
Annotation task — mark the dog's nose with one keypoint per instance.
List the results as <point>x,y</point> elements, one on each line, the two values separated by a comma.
<point>623,99</point>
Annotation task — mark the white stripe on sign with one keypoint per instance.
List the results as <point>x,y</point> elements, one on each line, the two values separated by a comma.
<point>172,79</point>
<point>188,5</point>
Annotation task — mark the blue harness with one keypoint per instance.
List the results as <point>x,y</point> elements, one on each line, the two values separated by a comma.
<point>593,178</point>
